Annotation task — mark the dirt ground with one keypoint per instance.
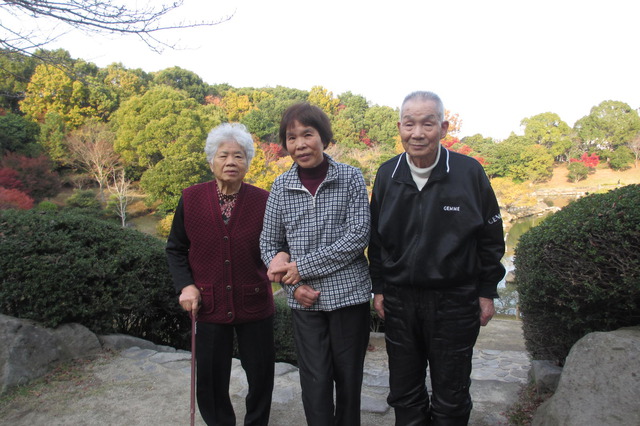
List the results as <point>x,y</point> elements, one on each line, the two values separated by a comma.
<point>603,177</point>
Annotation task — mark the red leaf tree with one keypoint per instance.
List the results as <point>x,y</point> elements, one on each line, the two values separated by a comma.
<point>14,199</point>
<point>591,161</point>
<point>10,179</point>
<point>38,179</point>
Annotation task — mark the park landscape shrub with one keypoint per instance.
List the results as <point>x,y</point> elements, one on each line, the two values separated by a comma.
<point>579,272</point>
<point>62,267</point>
<point>67,267</point>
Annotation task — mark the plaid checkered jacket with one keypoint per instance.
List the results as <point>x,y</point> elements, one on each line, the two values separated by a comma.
<point>326,234</point>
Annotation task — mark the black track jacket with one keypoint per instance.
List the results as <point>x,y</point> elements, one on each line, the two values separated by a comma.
<point>446,235</point>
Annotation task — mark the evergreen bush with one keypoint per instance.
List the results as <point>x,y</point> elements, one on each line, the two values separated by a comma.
<point>64,267</point>
<point>84,200</point>
<point>283,332</point>
<point>577,171</point>
<point>48,206</point>
<point>621,159</point>
<point>579,272</point>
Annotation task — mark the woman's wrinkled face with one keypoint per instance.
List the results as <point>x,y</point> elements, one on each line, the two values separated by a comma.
<point>230,165</point>
<point>304,145</point>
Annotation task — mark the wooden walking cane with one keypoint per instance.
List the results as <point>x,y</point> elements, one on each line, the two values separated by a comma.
<point>193,367</point>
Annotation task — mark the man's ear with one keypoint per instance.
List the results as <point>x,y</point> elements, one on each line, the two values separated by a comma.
<point>443,129</point>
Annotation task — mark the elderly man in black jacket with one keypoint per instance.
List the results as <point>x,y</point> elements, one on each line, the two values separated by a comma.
<point>435,251</point>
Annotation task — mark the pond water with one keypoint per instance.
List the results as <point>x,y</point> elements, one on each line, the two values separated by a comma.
<point>507,304</point>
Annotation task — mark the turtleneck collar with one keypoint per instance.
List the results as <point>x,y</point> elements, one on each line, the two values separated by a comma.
<point>312,177</point>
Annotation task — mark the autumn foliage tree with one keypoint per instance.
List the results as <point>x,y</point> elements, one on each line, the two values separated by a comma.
<point>10,179</point>
<point>36,175</point>
<point>14,199</point>
<point>590,161</point>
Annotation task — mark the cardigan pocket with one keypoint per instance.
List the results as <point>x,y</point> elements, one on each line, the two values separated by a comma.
<point>255,297</point>
<point>206,299</point>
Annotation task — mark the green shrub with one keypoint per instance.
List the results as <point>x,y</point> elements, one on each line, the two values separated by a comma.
<point>61,267</point>
<point>85,200</point>
<point>163,227</point>
<point>621,159</point>
<point>283,332</point>
<point>577,171</point>
<point>579,272</point>
<point>47,206</point>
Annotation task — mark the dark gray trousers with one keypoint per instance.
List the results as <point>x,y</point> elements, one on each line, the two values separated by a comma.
<point>331,347</point>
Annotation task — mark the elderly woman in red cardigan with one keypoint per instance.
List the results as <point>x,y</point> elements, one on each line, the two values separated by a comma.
<point>214,258</point>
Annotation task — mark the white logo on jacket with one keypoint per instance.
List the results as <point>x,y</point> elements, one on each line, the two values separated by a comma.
<point>494,219</point>
<point>451,208</point>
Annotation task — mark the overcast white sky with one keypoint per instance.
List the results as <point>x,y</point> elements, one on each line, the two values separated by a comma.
<point>493,62</point>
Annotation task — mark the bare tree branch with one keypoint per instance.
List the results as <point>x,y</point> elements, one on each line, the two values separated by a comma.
<point>121,197</point>
<point>90,16</point>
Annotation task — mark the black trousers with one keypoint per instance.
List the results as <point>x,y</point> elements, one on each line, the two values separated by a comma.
<point>435,330</point>
<point>331,347</point>
<point>214,350</point>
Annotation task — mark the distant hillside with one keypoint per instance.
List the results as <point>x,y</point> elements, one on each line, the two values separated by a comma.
<point>601,179</point>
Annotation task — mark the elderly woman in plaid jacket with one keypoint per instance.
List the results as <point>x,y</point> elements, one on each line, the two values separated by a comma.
<point>319,210</point>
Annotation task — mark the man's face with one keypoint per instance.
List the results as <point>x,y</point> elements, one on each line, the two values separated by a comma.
<point>421,131</point>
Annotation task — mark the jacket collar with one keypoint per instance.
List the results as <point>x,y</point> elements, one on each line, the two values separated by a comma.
<point>402,173</point>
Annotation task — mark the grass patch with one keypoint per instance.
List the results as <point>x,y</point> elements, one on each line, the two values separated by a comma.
<point>521,413</point>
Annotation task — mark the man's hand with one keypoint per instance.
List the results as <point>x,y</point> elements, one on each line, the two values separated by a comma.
<point>190,299</point>
<point>306,295</point>
<point>487,310</point>
<point>277,267</point>
<point>378,305</point>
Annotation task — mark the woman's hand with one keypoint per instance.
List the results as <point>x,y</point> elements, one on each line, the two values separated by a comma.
<point>190,299</point>
<point>288,273</point>
<point>277,267</point>
<point>306,295</point>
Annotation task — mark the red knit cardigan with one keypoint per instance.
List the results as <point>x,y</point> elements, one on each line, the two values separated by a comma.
<point>225,259</point>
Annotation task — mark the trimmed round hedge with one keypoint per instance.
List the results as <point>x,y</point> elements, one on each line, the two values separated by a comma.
<point>579,272</point>
<point>61,267</point>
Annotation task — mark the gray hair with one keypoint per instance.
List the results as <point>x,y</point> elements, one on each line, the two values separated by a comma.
<point>229,132</point>
<point>425,96</point>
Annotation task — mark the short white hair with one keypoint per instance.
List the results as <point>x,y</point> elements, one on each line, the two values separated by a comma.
<point>229,132</point>
<point>425,96</point>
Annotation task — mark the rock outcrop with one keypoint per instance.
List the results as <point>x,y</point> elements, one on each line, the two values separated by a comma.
<point>600,382</point>
<point>28,350</point>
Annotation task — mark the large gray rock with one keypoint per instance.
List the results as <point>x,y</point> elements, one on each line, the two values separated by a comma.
<point>118,342</point>
<point>545,375</point>
<point>600,383</point>
<point>28,350</point>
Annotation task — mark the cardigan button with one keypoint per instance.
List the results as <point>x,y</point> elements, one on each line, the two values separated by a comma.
<point>230,314</point>
<point>257,290</point>
<point>229,287</point>
<point>227,262</point>
<point>225,238</point>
